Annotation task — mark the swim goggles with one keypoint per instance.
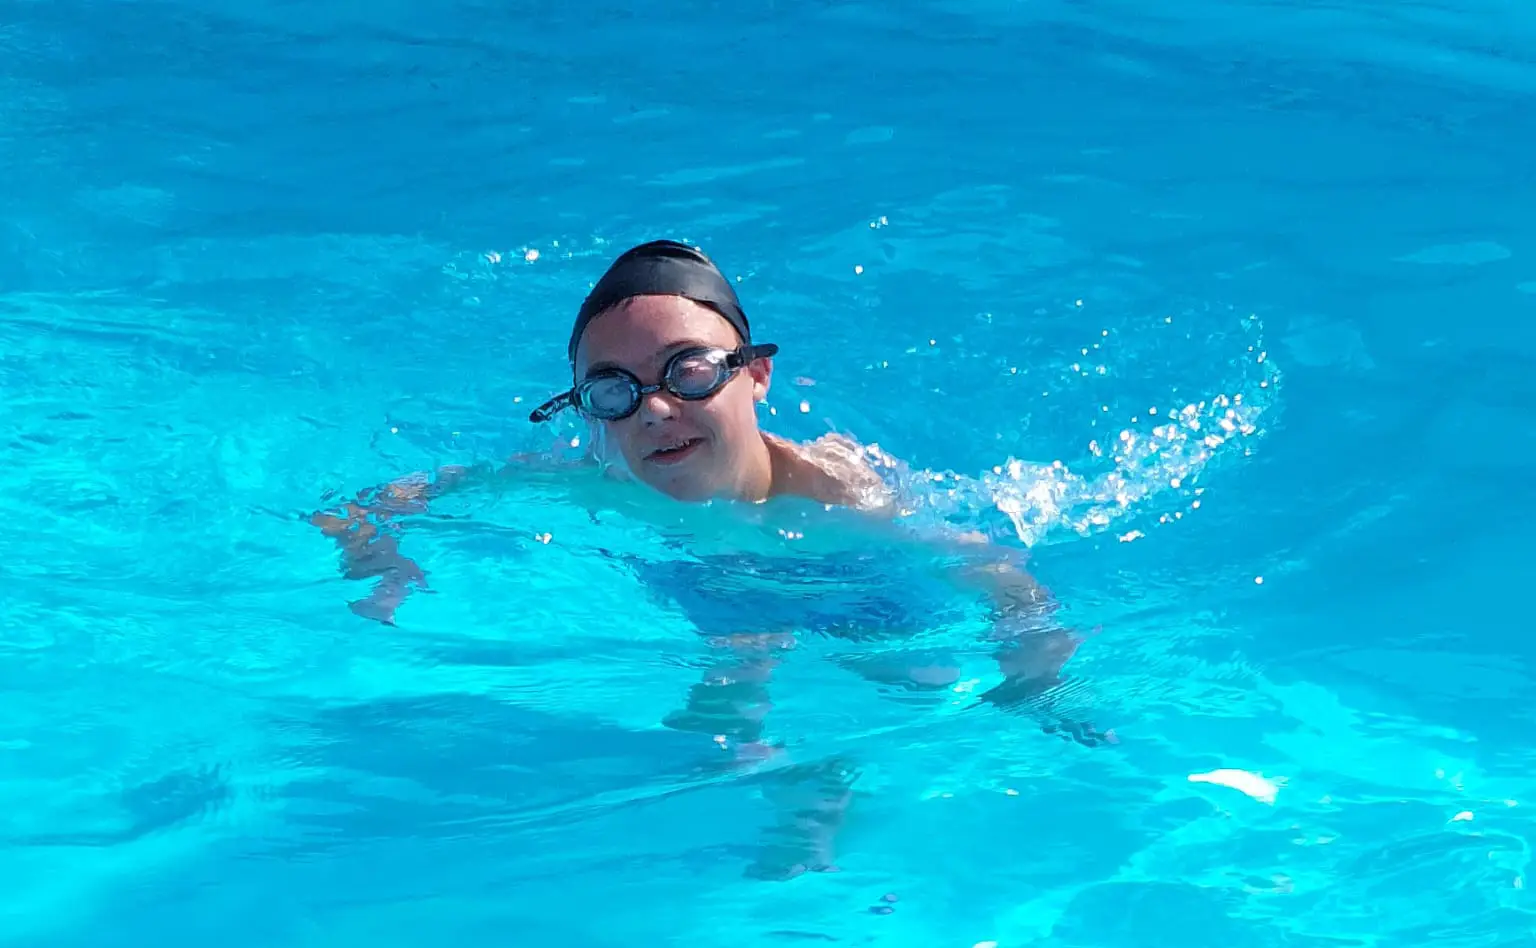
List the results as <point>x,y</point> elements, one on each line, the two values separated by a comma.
<point>691,375</point>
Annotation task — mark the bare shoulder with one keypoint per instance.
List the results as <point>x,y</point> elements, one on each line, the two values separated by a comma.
<point>836,469</point>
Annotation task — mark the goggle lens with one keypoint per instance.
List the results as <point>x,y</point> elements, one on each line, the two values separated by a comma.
<point>695,375</point>
<point>610,396</point>
<point>692,375</point>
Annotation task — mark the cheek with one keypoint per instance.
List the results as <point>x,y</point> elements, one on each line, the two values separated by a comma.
<point>620,440</point>
<point>734,410</point>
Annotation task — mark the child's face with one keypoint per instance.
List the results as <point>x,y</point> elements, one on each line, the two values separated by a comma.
<point>689,450</point>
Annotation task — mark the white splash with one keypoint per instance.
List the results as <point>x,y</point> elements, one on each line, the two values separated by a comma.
<point>1160,453</point>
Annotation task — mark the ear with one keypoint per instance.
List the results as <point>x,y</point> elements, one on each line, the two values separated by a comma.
<point>761,373</point>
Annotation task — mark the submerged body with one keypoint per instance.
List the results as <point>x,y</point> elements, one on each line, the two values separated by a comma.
<point>666,373</point>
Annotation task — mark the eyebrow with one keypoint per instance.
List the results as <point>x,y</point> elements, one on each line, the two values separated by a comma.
<point>660,355</point>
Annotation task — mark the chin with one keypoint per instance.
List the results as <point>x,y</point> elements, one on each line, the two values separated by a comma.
<point>687,489</point>
<point>694,481</point>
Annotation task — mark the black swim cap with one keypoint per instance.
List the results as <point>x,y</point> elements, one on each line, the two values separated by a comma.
<point>662,268</point>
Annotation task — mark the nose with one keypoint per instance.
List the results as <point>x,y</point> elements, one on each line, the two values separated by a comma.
<point>656,407</point>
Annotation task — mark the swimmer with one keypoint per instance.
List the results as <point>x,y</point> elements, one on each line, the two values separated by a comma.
<point>667,372</point>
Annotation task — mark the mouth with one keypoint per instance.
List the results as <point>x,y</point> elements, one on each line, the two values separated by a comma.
<point>675,452</point>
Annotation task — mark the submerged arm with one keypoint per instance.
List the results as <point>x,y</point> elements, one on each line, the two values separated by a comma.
<point>366,528</point>
<point>1032,648</point>
<point>368,539</point>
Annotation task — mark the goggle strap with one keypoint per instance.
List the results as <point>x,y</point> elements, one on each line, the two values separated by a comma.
<point>548,410</point>
<point>749,354</point>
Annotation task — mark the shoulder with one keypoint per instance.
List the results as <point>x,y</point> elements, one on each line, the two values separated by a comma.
<point>836,469</point>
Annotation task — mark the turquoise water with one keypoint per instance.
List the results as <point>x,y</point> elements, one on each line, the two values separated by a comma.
<point>253,257</point>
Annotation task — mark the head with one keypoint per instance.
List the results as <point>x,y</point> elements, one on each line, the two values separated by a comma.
<point>665,305</point>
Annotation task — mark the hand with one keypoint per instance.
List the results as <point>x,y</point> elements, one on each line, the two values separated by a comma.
<point>368,552</point>
<point>1026,696</point>
<point>1031,661</point>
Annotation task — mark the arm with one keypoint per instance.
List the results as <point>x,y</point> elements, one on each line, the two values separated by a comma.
<point>367,531</point>
<point>368,539</point>
<point>1032,648</point>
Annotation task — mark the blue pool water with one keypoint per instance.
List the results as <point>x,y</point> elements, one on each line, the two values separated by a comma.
<point>255,256</point>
